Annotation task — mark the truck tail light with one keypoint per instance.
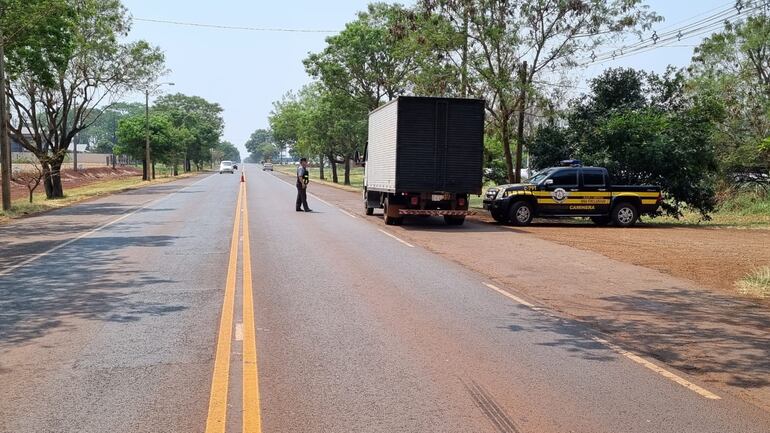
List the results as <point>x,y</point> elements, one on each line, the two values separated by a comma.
<point>461,202</point>
<point>415,200</point>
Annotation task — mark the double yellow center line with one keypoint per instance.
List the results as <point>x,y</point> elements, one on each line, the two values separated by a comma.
<point>217,415</point>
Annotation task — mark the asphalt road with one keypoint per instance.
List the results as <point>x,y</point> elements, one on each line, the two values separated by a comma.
<point>153,324</point>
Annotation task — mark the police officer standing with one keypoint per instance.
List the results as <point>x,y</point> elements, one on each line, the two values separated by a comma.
<point>303,178</point>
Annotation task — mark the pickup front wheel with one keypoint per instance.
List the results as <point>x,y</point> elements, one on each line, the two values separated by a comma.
<point>625,215</point>
<point>521,213</point>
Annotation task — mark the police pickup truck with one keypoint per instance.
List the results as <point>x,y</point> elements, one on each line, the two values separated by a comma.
<point>572,191</point>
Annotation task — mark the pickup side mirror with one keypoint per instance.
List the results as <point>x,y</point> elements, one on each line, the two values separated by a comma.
<point>548,182</point>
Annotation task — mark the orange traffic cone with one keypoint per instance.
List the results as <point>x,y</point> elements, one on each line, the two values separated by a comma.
<point>242,179</point>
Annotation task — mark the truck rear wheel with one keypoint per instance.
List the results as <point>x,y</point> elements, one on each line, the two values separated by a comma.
<point>389,220</point>
<point>521,213</point>
<point>624,214</point>
<point>369,210</point>
<point>454,220</point>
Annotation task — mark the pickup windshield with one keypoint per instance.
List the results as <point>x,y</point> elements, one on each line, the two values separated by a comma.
<point>539,177</point>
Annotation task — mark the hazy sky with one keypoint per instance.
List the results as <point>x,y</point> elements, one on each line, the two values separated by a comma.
<point>245,71</point>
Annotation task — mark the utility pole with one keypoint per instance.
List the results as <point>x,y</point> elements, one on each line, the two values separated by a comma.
<point>75,154</point>
<point>147,175</point>
<point>520,131</point>
<point>5,146</point>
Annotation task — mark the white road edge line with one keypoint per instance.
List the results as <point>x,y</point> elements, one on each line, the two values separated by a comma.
<point>660,370</point>
<point>347,213</point>
<point>321,200</point>
<point>397,238</point>
<point>315,197</point>
<point>509,295</point>
<point>90,232</point>
<point>635,358</point>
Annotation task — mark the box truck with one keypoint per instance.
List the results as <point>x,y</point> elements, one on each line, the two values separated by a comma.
<point>424,157</point>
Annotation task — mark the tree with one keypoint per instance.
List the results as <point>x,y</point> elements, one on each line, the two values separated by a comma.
<point>31,177</point>
<point>366,61</point>
<point>548,146</point>
<point>509,44</point>
<point>267,152</point>
<point>733,67</point>
<point>258,138</point>
<point>229,151</point>
<point>56,98</point>
<point>286,121</point>
<point>199,122</point>
<point>324,122</point>
<point>646,130</point>
<point>163,137</point>
<point>101,135</point>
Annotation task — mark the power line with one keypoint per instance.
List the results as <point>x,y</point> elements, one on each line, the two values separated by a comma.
<point>667,39</point>
<point>222,27</point>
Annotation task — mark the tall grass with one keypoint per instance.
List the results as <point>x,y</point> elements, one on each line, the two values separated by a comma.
<point>756,284</point>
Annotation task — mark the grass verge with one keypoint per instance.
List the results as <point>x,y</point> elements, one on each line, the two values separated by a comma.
<point>756,284</point>
<point>743,209</point>
<point>356,176</point>
<point>22,207</point>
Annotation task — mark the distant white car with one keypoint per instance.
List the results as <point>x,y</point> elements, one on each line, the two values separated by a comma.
<point>268,166</point>
<point>226,167</point>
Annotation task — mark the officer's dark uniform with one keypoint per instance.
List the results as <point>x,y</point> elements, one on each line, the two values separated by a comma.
<point>303,178</point>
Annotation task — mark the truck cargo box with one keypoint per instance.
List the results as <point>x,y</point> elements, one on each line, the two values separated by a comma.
<point>426,144</point>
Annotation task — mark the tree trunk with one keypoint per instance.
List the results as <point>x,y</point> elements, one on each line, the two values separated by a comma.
<point>505,137</point>
<point>176,173</point>
<point>520,130</point>
<point>321,168</point>
<point>153,170</point>
<point>347,170</point>
<point>333,164</point>
<point>144,170</point>
<point>464,57</point>
<point>52,175</point>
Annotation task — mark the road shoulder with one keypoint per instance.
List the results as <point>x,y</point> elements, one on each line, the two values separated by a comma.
<point>702,331</point>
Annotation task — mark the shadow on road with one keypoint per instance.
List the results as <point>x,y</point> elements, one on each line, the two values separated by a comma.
<point>82,281</point>
<point>694,331</point>
<point>566,334</point>
<point>437,224</point>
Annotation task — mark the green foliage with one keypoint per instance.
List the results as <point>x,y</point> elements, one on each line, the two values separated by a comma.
<point>198,124</point>
<point>257,139</point>
<point>644,130</point>
<point>733,67</point>
<point>366,60</point>
<point>101,134</point>
<point>163,137</point>
<point>267,152</point>
<point>67,58</point>
<point>228,151</point>
<point>548,146</point>
<point>38,37</point>
<point>505,46</point>
<point>319,121</point>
